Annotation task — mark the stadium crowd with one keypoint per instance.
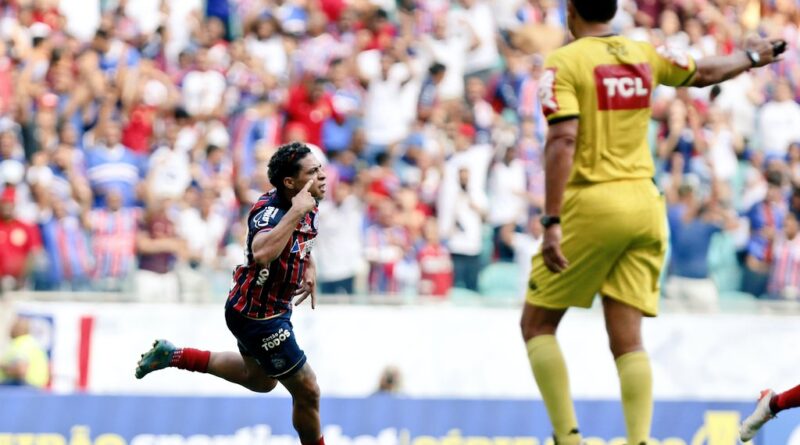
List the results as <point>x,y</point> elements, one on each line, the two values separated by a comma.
<point>132,148</point>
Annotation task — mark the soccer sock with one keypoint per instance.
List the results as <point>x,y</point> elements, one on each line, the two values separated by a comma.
<point>785,400</point>
<point>636,383</point>
<point>190,359</point>
<point>550,372</point>
<point>320,441</point>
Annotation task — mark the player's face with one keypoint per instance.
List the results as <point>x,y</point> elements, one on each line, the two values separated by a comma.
<point>310,168</point>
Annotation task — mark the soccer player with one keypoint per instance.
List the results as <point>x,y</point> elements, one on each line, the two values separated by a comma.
<point>278,269</point>
<point>769,405</point>
<point>595,93</point>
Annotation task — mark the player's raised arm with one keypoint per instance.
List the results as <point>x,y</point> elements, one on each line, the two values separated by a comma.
<point>268,245</point>
<point>756,52</point>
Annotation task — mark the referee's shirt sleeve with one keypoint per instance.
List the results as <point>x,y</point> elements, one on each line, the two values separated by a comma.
<point>673,67</point>
<point>557,90</point>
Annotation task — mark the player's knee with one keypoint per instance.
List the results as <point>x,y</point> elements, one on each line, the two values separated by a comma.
<point>529,328</point>
<point>621,345</point>
<point>311,393</point>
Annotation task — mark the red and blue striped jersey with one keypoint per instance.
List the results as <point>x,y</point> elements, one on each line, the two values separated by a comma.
<point>260,291</point>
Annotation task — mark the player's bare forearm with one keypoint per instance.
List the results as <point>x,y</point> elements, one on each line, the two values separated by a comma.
<point>558,154</point>
<point>267,246</point>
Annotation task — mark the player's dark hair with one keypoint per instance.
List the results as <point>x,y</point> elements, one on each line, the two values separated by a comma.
<point>599,11</point>
<point>285,163</point>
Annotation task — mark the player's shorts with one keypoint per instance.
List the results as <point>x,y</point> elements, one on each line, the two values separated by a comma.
<point>614,235</point>
<point>271,342</point>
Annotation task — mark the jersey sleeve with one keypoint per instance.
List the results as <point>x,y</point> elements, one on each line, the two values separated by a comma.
<point>672,66</point>
<point>264,219</point>
<point>557,92</point>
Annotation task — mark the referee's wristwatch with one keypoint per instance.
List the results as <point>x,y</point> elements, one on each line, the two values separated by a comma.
<point>754,56</point>
<point>549,220</point>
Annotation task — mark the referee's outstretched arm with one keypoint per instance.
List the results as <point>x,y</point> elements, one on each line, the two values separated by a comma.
<point>756,52</point>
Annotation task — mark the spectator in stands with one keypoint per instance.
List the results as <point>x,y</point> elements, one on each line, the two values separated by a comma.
<point>779,121</point>
<point>169,168</point>
<point>429,94</point>
<point>70,263</point>
<point>158,248</point>
<point>451,48</point>
<point>693,223</point>
<point>112,165</point>
<point>507,184</point>
<point>766,220</point>
<point>390,381</point>
<point>385,247</point>
<point>310,106</point>
<point>20,243</point>
<point>463,232</point>
<point>113,235</point>
<point>25,363</point>
<point>384,122</point>
<point>203,88</point>
<point>784,278</point>
<point>339,253</point>
<point>202,227</point>
<point>435,263</point>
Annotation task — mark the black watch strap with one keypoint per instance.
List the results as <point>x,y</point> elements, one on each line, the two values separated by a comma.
<point>548,220</point>
<point>754,58</point>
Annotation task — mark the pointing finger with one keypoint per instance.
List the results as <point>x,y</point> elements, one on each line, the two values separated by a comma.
<point>308,185</point>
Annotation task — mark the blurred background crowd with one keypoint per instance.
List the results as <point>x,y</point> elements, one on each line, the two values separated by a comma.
<point>135,135</point>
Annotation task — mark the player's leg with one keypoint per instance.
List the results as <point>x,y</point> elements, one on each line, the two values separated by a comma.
<point>769,404</point>
<point>231,366</point>
<point>549,369</point>
<point>785,400</point>
<point>242,370</point>
<point>303,387</point>
<point>623,323</point>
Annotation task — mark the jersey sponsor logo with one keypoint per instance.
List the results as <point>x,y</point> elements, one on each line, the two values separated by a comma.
<point>547,92</point>
<point>674,55</point>
<point>263,217</point>
<point>623,87</point>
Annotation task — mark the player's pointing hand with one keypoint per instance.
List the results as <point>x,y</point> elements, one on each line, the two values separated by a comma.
<point>303,200</point>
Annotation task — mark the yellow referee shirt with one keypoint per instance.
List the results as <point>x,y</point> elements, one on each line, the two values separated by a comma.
<point>607,83</point>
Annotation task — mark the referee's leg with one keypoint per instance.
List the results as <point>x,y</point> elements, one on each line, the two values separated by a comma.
<point>539,327</point>
<point>624,326</point>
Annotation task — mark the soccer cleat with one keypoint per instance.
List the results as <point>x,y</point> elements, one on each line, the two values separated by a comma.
<point>761,415</point>
<point>158,357</point>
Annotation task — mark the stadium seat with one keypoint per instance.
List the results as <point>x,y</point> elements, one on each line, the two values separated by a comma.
<point>737,301</point>
<point>464,297</point>
<point>500,280</point>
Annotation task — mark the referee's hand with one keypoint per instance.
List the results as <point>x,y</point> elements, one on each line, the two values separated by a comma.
<point>551,250</point>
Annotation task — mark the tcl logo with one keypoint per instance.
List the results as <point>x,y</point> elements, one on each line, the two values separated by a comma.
<point>623,87</point>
